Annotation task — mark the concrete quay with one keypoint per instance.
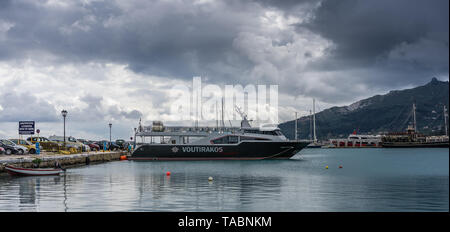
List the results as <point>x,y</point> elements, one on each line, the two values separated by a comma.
<point>49,159</point>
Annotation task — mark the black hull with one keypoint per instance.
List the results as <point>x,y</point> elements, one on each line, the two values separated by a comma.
<point>241,151</point>
<point>414,145</point>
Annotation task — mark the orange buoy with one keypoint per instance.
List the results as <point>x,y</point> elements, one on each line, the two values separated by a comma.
<point>167,173</point>
<point>123,157</point>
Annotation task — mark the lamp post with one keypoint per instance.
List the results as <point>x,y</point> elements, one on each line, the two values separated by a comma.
<point>64,114</point>
<point>110,124</point>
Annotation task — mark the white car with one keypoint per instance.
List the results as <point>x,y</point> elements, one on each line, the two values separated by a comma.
<point>22,150</point>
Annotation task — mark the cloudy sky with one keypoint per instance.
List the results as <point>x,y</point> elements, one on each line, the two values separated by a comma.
<point>115,61</point>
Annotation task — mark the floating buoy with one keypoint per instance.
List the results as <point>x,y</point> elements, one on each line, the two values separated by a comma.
<point>326,167</point>
<point>167,173</point>
<point>210,178</point>
<point>123,157</point>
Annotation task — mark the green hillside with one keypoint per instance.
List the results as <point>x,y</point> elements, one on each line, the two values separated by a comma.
<point>380,113</point>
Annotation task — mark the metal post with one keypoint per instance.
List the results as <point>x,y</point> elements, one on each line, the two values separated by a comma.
<point>64,114</point>
<point>110,124</point>
<point>64,131</point>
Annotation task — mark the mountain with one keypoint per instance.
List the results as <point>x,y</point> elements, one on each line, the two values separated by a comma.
<point>380,113</point>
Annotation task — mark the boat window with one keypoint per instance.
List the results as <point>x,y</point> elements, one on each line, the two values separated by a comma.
<point>354,137</point>
<point>221,140</point>
<point>278,132</point>
<point>243,138</point>
<point>233,139</point>
<point>270,133</point>
<point>251,131</point>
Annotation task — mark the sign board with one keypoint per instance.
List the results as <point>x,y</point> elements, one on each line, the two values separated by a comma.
<point>26,128</point>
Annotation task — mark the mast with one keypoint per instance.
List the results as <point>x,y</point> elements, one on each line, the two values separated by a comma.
<point>196,112</point>
<point>295,126</point>
<point>414,117</point>
<point>310,125</point>
<point>217,118</point>
<point>223,122</point>
<point>445,120</point>
<point>314,120</point>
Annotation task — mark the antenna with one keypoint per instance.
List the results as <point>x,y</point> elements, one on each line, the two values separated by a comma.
<point>240,112</point>
<point>245,122</point>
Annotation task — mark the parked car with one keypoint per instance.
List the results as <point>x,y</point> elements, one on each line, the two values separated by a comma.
<point>46,143</point>
<point>8,149</point>
<point>93,146</point>
<point>121,143</point>
<point>109,145</point>
<point>70,142</point>
<point>20,149</point>
<point>31,147</point>
<point>113,146</point>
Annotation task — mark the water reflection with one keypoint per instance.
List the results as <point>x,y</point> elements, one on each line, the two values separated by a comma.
<point>292,185</point>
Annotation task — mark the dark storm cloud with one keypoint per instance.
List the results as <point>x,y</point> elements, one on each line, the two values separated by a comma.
<point>395,38</point>
<point>378,44</point>
<point>159,38</point>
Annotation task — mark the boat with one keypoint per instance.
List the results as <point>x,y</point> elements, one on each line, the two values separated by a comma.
<point>205,143</point>
<point>413,139</point>
<point>33,171</point>
<point>355,140</point>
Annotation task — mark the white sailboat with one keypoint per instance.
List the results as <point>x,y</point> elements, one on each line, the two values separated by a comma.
<point>314,144</point>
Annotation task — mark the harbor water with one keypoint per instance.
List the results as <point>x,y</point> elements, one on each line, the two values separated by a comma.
<point>370,180</point>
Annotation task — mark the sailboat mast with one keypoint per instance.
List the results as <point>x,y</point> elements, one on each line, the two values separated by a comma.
<point>310,125</point>
<point>295,126</point>
<point>314,119</point>
<point>445,120</point>
<point>414,116</point>
<point>223,122</point>
<point>217,118</point>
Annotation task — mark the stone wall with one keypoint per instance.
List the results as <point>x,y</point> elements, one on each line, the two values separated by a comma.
<point>64,160</point>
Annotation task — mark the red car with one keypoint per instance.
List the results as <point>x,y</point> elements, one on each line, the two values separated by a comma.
<point>93,146</point>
